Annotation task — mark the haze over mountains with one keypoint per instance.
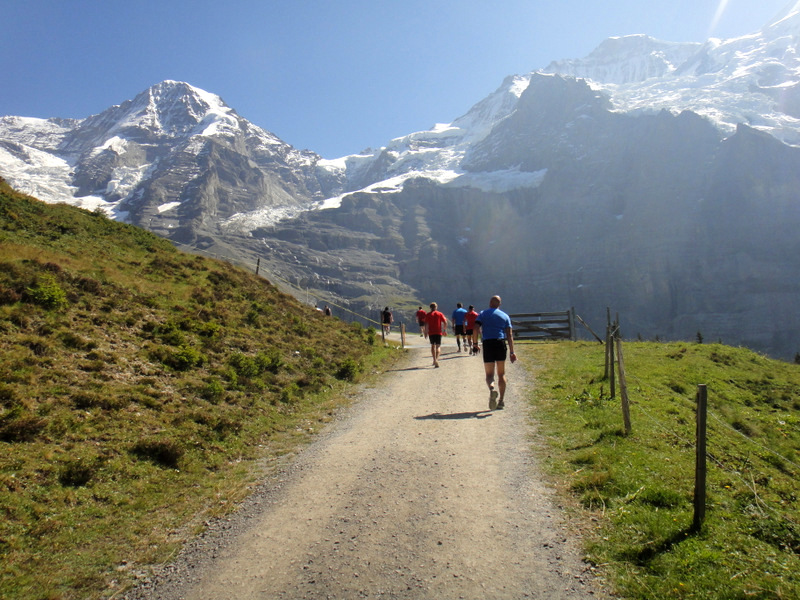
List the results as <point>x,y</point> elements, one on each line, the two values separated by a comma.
<point>657,178</point>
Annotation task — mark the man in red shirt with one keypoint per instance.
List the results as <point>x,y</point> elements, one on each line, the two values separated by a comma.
<point>435,328</point>
<point>472,315</point>
<point>421,316</point>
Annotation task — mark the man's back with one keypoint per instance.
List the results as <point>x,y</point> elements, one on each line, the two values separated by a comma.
<point>493,322</point>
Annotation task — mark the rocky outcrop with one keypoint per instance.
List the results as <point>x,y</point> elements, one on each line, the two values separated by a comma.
<point>656,216</point>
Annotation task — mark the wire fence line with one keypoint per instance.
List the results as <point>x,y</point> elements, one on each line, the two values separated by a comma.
<point>687,404</point>
<point>272,277</point>
<point>723,431</point>
<point>754,442</point>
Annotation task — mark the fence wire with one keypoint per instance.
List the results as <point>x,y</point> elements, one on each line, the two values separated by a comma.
<point>751,485</point>
<point>296,292</point>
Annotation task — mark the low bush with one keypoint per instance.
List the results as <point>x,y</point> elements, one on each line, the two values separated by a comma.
<point>161,451</point>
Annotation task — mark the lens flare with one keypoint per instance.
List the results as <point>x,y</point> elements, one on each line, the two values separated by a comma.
<point>723,4</point>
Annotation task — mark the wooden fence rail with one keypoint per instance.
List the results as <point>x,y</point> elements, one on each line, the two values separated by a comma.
<point>544,325</point>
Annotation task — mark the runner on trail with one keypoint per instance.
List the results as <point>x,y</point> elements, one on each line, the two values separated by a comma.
<point>386,320</point>
<point>470,327</point>
<point>495,328</point>
<point>435,328</point>
<point>421,315</point>
<point>459,315</point>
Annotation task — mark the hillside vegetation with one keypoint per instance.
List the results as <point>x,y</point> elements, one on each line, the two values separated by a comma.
<point>141,389</point>
<point>137,386</point>
<point>634,493</point>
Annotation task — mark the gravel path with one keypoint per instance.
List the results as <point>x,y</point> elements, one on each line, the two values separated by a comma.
<point>417,491</point>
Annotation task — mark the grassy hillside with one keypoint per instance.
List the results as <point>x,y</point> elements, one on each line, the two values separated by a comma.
<point>634,494</point>
<point>137,383</point>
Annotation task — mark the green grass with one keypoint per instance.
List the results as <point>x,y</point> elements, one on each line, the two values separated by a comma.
<point>634,494</point>
<point>140,387</point>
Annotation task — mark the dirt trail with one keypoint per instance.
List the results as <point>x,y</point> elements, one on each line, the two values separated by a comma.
<point>418,491</point>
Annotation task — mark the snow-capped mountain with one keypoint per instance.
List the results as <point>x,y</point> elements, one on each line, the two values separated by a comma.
<point>173,155</point>
<point>658,178</point>
<point>752,80</point>
<point>111,160</point>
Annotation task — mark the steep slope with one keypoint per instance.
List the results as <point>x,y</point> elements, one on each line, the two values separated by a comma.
<point>137,384</point>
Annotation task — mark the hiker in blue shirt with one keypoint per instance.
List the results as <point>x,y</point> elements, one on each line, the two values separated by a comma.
<point>459,318</point>
<point>494,326</point>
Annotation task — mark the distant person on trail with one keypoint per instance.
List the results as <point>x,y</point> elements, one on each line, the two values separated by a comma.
<point>470,328</point>
<point>494,326</point>
<point>459,316</point>
<point>435,328</point>
<point>386,320</point>
<point>421,315</point>
<point>327,311</point>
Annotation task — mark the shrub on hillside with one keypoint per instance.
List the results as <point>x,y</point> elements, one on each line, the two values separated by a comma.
<point>163,452</point>
<point>8,295</point>
<point>348,370</point>
<point>19,425</point>
<point>47,293</point>
<point>76,473</point>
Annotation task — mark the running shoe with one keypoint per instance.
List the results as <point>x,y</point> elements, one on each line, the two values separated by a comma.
<point>493,399</point>
<point>501,405</point>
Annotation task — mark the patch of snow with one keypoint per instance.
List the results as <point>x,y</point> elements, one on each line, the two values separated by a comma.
<point>168,206</point>
<point>264,217</point>
<point>499,181</point>
<point>36,173</point>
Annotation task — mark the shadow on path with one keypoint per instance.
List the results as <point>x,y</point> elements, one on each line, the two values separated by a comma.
<point>417,368</point>
<point>480,414</point>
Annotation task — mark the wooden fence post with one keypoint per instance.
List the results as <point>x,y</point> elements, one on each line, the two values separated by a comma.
<point>258,264</point>
<point>623,388</point>
<point>608,342</point>
<point>611,360</point>
<point>402,335</point>
<point>572,334</point>
<point>700,460</point>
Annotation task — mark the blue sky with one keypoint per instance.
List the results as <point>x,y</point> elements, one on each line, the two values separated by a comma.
<point>332,77</point>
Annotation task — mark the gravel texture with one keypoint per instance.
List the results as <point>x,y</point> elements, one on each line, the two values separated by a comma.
<point>416,491</point>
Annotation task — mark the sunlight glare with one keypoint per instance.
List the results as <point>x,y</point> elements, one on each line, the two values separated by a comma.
<point>717,16</point>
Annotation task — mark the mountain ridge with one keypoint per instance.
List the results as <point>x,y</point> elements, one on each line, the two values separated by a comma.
<point>544,151</point>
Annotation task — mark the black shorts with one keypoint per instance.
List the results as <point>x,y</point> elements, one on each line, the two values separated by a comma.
<point>421,323</point>
<point>494,351</point>
<point>470,332</point>
<point>460,330</point>
<point>435,339</point>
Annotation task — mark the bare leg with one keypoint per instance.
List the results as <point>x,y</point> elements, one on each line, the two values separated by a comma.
<point>501,378</point>
<point>489,374</point>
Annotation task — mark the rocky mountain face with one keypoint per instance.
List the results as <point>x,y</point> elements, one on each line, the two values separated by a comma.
<point>175,160</point>
<point>659,217</point>
<point>658,179</point>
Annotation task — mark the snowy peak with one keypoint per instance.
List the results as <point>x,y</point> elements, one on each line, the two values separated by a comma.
<point>752,80</point>
<point>171,153</point>
<point>176,108</point>
<point>629,59</point>
<point>790,11</point>
<point>170,109</point>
